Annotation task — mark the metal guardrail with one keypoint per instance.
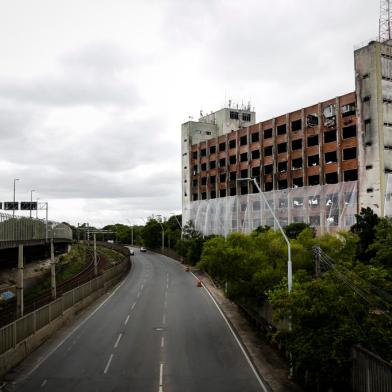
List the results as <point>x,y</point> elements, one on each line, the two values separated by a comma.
<point>19,330</point>
<point>17,229</point>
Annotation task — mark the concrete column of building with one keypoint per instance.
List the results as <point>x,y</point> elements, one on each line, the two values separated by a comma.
<point>289,176</point>
<point>260,179</point>
<point>52,270</point>
<point>20,284</point>
<point>304,154</point>
<point>339,140</point>
<point>321,147</point>
<point>262,175</point>
<point>275,158</point>
<point>237,163</point>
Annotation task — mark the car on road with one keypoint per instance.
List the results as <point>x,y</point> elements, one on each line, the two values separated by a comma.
<point>131,252</point>
<point>143,249</point>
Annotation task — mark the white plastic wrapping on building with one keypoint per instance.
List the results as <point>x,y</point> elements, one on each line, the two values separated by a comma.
<point>326,207</point>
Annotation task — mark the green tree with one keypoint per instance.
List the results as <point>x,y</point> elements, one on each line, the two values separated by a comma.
<point>293,230</point>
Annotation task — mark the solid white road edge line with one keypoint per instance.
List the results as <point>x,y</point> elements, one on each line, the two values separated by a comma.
<point>72,332</point>
<point>236,338</point>
<point>108,364</point>
<point>160,378</point>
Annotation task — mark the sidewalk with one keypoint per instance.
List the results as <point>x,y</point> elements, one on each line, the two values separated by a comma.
<point>267,361</point>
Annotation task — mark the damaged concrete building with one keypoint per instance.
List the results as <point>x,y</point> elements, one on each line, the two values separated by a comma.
<point>320,164</point>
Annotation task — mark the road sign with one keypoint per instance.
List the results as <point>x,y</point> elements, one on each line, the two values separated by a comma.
<point>10,205</point>
<point>28,205</point>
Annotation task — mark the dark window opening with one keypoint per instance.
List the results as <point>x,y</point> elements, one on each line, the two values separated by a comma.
<point>330,157</point>
<point>350,175</point>
<point>349,153</point>
<point>234,115</point>
<point>222,193</point>
<point>296,125</point>
<point>268,169</point>
<point>298,182</point>
<point>297,163</point>
<point>244,157</point>
<point>350,131</point>
<point>203,152</point>
<point>245,116</point>
<point>281,129</point>
<point>222,177</point>
<point>222,162</point>
<point>212,164</point>
<point>311,120</point>
<point>212,180</point>
<point>369,190</point>
<point>244,173</point>
<point>243,140</point>
<point>282,147</point>
<point>331,178</point>
<point>204,196</point>
<point>222,146</point>
<point>194,197</point>
<point>244,189</point>
<point>329,136</point>
<point>365,76</point>
<point>255,171</point>
<point>314,180</point>
<point>255,137</point>
<point>368,144</point>
<point>313,160</point>
<point>213,195</point>
<point>212,149</point>
<point>368,167</point>
<point>204,181</point>
<point>194,155</point>
<point>282,184</point>
<point>232,159</point>
<point>366,99</point>
<point>268,133</point>
<point>194,183</point>
<point>194,169</point>
<point>296,144</point>
<point>233,191</point>
<point>232,143</point>
<point>313,140</point>
<point>255,154</point>
<point>268,186</point>
<point>254,188</point>
<point>282,166</point>
<point>233,176</point>
<point>268,151</point>
<point>203,167</point>
<point>386,170</point>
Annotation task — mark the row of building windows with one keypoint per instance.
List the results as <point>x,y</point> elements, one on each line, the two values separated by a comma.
<point>236,116</point>
<point>314,140</point>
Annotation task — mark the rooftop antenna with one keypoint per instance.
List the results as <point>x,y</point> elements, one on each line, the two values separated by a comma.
<point>384,27</point>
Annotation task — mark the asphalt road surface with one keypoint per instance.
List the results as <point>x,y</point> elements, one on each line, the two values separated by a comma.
<point>157,332</point>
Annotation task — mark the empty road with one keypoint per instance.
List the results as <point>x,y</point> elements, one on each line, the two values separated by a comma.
<point>157,332</point>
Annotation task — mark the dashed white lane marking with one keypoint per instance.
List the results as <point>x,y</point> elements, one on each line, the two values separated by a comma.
<point>162,341</point>
<point>142,287</point>
<point>165,304</point>
<point>118,340</point>
<point>44,383</point>
<point>108,364</point>
<point>133,306</point>
<point>160,378</point>
<point>126,320</point>
<point>264,388</point>
<point>167,286</point>
<point>138,294</point>
<point>164,319</point>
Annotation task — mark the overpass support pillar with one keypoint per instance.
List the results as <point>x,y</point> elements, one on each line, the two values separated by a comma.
<point>19,285</point>
<point>52,270</point>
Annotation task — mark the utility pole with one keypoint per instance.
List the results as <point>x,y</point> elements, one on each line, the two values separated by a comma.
<point>13,205</point>
<point>95,255</point>
<point>20,284</point>
<point>52,270</point>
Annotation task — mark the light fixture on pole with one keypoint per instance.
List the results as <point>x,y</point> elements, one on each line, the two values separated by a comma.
<point>31,199</point>
<point>13,204</point>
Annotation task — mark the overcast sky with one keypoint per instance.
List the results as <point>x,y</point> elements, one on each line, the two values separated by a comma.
<point>93,92</point>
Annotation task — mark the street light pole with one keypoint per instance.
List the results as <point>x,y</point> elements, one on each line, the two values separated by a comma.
<point>179,224</point>
<point>163,234</point>
<point>289,264</point>
<point>31,199</point>
<point>13,204</point>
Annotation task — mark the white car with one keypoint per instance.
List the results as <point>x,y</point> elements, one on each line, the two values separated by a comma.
<point>143,249</point>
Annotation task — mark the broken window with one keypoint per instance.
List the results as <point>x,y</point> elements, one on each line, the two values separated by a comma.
<point>194,169</point>
<point>254,187</point>
<point>298,182</point>
<point>298,202</point>
<point>331,178</point>
<point>313,160</point>
<point>330,157</point>
<point>204,181</point>
<point>234,115</point>
<point>255,137</point>
<point>222,193</point>
<point>212,149</point>
<point>268,151</point>
<point>203,167</point>
<point>314,180</point>
<point>212,164</point>
<point>314,201</point>
<point>330,111</point>
<point>329,136</point>
<point>222,146</point>
<point>244,173</point>
<point>233,191</point>
<point>222,177</point>
<point>194,197</point>
<point>296,125</point>
<point>194,155</point>
<point>268,133</point>
<point>245,116</point>
<point>232,159</point>
<point>212,179</point>
<point>296,144</point>
<point>232,143</point>
<point>350,175</point>
<point>194,182</point>
<point>314,220</point>
<point>233,176</point>
<point>312,120</point>
<point>256,171</point>
<point>282,184</point>
<point>349,153</point>
<point>350,131</point>
<point>243,140</point>
<point>204,196</point>
<point>313,140</point>
<point>244,157</point>
<point>268,169</point>
<point>222,162</point>
<point>282,147</point>
<point>213,195</point>
<point>296,163</point>
<point>255,154</point>
<point>203,152</point>
<point>282,166</point>
<point>281,129</point>
<point>348,110</point>
<point>268,186</point>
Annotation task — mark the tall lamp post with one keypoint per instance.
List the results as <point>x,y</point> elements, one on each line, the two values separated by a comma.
<point>31,199</point>
<point>163,234</point>
<point>289,264</point>
<point>13,204</point>
<point>179,224</point>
